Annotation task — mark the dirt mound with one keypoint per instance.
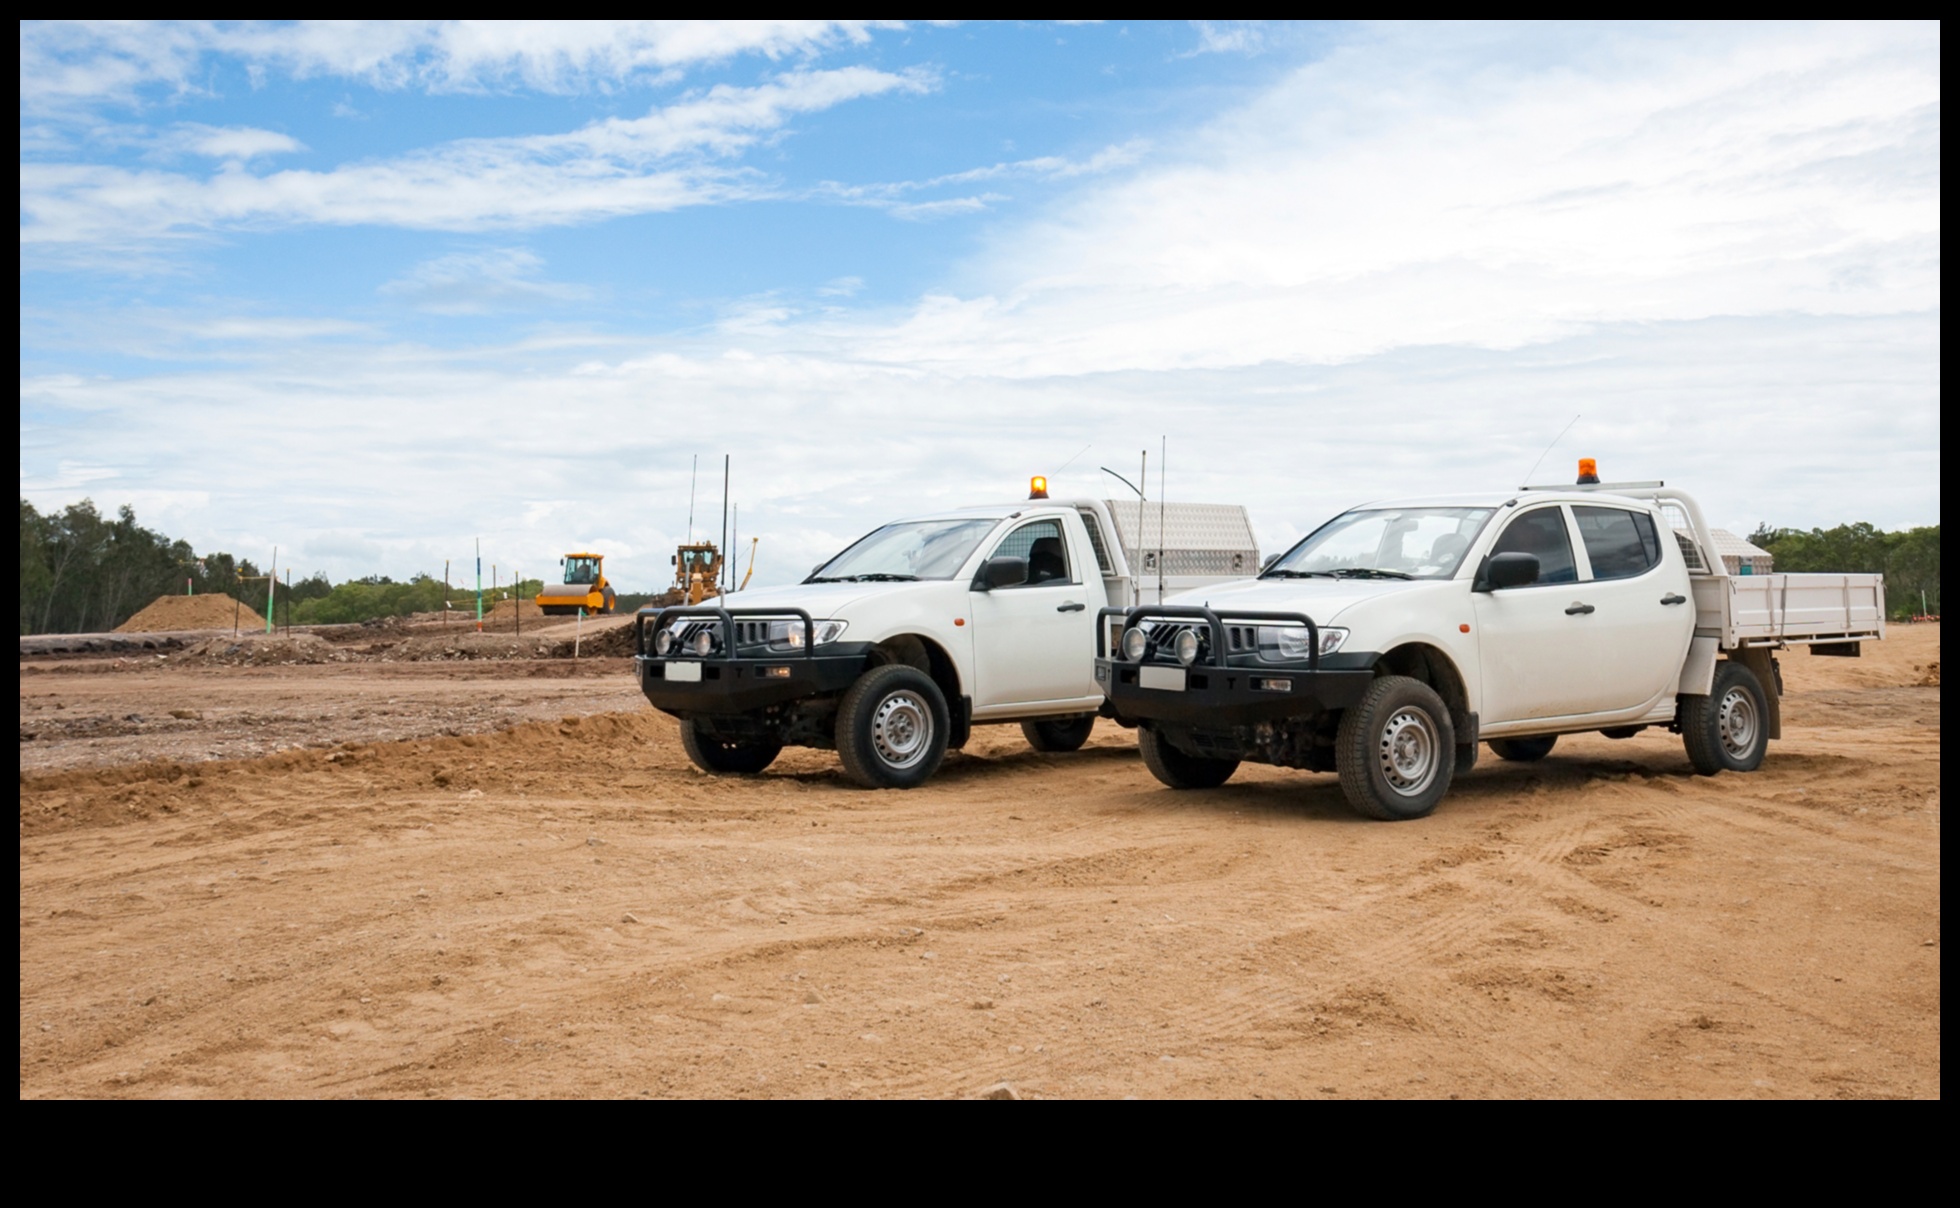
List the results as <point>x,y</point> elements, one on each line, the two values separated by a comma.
<point>263,650</point>
<point>1930,676</point>
<point>212,611</point>
<point>510,610</point>
<point>472,645</point>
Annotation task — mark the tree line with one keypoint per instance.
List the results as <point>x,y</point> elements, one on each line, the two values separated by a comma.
<point>83,572</point>
<point>1909,559</point>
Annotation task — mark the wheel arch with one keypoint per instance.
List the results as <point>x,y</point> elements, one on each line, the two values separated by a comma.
<point>1431,665</point>
<point>925,654</point>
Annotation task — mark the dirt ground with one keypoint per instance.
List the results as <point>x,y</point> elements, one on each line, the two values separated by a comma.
<point>453,896</point>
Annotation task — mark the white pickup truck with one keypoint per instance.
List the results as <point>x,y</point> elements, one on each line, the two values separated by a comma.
<point>893,650</point>
<point>1398,635</point>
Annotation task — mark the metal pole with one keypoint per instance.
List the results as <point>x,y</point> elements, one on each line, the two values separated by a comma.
<point>271,581</point>
<point>517,603</point>
<point>722,570</point>
<point>693,476</point>
<point>289,601</point>
<point>445,593</point>
<point>1143,539</point>
<point>1163,459</point>
<point>479,585</point>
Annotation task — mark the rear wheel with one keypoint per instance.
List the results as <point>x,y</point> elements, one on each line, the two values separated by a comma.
<point>892,727</point>
<point>1066,734</point>
<point>1396,750</point>
<point>723,756</point>
<point>1523,750</point>
<point>1727,730</point>
<point>1179,770</point>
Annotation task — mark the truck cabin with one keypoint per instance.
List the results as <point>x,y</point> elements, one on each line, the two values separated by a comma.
<point>703,560</point>
<point>582,569</point>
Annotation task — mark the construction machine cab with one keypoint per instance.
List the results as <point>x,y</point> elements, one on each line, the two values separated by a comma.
<point>582,568</point>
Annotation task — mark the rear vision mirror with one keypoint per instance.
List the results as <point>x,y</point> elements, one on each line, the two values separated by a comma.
<point>1507,570</point>
<point>1002,572</point>
<point>1268,563</point>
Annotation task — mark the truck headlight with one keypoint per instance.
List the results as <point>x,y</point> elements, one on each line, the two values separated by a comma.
<point>1134,642</point>
<point>788,635</point>
<point>1286,643</point>
<point>663,642</point>
<point>1186,646</point>
<point>703,643</point>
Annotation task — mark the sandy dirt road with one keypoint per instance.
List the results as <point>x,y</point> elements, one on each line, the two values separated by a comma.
<point>567,908</point>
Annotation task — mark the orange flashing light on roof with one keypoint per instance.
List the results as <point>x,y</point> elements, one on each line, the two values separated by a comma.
<point>1588,472</point>
<point>1037,487</point>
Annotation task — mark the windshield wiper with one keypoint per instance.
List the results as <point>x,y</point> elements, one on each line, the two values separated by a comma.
<point>1297,574</point>
<point>1369,572</point>
<point>880,576</point>
<point>831,579</point>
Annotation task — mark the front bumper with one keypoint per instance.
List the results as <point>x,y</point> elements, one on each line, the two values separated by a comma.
<point>740,685</point>
<point>1230,696</point>
<point>1223,690</point>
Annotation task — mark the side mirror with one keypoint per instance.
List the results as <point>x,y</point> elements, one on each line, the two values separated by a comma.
<point>1001,572</point>
<point>1506,570</point>
<point>673,559</point>
<point>1268,563</point>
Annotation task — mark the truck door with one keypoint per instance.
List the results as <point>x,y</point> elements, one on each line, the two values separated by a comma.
<point>1534,649</point>
<point>1639,639</point>
<point>1035,642</point>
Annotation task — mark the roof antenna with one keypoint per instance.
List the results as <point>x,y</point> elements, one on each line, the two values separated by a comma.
<point>693,476</point>
<point>1548,451</point>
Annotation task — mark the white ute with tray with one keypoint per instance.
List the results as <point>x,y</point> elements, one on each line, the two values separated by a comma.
<point>891,651</point>
<point>1397,636</point>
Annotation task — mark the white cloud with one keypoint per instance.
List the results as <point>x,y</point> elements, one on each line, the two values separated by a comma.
<point>478,282</point>
<point>662,161</point>
<point>232,142</point>
<point>1407,191</point>
<point>69,64</point>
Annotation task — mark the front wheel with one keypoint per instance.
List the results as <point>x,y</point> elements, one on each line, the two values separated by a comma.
<point>1067,734</point>
<point>1727,730</point>
<point>1396,750</point>
<point>722,756</point>
<point>1524,750</point>
<point>1179,770</point>
<point>892,727</point>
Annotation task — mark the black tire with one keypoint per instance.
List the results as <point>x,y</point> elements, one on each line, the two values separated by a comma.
<point>1066,734</point>
<point>1178,770</point>
<point>1523,750</point>
<point>612,598</point>
<point>721,756</point>
<point>1396,750</point>
<point>1727,730</point>
<point>892,727</point>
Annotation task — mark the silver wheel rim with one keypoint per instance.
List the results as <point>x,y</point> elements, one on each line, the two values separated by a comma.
<point>1736,723</point>
<point>1408,752</point>
<point>901,729</point>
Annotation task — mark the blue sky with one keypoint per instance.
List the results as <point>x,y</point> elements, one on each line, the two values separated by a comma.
<point>372,292</point>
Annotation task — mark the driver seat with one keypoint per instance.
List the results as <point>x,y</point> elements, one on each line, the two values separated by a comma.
<point>1046,562</point>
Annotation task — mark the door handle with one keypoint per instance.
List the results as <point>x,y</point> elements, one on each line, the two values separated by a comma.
<point>1578,610</point>
<point>1071,608</point>
<point>1672,598</point>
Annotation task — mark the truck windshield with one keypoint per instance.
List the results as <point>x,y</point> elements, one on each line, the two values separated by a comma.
<point>1393,543</point>
<point>581,570</point>
<point>919,549</point>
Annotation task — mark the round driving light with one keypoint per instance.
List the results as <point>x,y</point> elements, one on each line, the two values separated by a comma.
<point>1133,643</point>
<point>703,643</point>
<point>1187,647</point>
<point>663,642</point>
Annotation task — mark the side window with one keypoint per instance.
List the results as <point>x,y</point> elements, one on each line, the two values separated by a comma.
<point>1621,544</point>
<point>1542,532</point>
<point>1040,542</point>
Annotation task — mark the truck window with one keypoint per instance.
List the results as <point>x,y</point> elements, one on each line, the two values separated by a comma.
<point>1040,542</point>
<point>1096,540</point>
<point>581,570</point>
<point>1542,533</point>
<point>1620,543</point>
